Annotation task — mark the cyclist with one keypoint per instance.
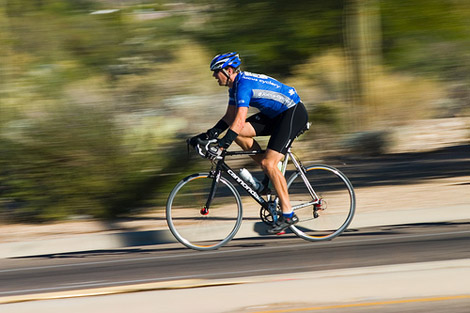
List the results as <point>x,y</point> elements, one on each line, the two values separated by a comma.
<point>282,115</point>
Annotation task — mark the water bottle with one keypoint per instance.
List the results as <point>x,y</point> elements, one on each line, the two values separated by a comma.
<point>252,181</point>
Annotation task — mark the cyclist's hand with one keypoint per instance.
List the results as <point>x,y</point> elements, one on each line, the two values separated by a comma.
<point>214,153</point>
<point>193,141</point>
<point>212,133</point>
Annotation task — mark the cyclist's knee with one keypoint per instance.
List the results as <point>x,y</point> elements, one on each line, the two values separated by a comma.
<point>244,142</point>
<point>271,159</point>
<point>268,164</point>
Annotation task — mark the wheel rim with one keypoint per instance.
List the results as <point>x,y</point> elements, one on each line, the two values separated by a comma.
<point>196,226</point>
<point>335,190</point>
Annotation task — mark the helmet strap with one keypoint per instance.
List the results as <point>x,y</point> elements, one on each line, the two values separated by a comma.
<point>228,76</point>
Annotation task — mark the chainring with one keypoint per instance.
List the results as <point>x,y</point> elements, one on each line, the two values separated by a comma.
<point>267,217</point>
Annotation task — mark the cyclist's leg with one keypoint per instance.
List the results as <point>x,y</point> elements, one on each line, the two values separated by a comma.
<point>255,126</point>
<point>245,137</point>
<point>246,141</point>
<point>286,127</point>
<point>269,165</point>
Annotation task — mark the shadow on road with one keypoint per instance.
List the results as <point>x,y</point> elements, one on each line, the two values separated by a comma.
<point>378,231</point>
<point>405,168</point>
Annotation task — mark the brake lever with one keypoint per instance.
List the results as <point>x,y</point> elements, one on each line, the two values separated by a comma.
<point>210,142</point>
<point>199,151</point>
<point>205,146</point>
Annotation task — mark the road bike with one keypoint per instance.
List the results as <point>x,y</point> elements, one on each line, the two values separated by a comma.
<point>204,210</point>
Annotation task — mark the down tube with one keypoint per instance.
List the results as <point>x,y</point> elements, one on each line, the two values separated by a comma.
<point>244,185</point>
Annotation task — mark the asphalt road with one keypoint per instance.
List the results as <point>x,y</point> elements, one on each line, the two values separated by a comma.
<point>241,258</point>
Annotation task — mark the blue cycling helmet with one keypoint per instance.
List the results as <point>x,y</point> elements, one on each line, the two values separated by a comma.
<point>221,61</point>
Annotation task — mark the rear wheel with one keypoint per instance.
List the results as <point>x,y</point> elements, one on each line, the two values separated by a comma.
<point>326,209</point>
<point>196,225</point>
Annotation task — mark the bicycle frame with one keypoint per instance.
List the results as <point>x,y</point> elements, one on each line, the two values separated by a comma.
<point>215,224</point>
<point>221,166</point>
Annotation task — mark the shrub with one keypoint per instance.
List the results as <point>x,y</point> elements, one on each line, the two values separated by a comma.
<point>74,161</point>
<point>366,142</point>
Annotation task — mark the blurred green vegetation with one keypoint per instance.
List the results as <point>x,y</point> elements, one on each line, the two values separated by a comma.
<point>273,36</point>
<point>428,36</point>
<point>76,160</point>
<point>96,97</point>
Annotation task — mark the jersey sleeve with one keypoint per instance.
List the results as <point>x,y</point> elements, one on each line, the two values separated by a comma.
<point>243,95</point>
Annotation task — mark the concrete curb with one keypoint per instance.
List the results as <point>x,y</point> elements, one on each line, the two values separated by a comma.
<point>93,242</point>
<point>166,285</point>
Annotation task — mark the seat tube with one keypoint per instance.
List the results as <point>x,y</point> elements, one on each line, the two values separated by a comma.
<point>286,160</point>
<point>303,176</point>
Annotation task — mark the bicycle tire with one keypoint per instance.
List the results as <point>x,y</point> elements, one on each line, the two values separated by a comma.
<point>194,228</point>
<point>335,208</point>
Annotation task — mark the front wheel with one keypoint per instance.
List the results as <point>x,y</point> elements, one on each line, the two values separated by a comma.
<point>197,223</point>
<point>324,201</point>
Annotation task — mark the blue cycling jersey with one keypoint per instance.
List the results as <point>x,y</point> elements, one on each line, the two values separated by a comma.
<point>266,94</point>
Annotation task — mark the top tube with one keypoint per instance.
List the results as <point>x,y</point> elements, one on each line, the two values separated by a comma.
<point>251,152</point>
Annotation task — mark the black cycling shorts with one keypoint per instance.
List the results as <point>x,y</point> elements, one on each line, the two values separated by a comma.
<point>283,128</point>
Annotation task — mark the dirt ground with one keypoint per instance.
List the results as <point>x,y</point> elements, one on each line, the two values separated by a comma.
<point>427,178</point>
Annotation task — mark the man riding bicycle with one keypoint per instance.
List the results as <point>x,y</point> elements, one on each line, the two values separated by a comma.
<point>282,116</point>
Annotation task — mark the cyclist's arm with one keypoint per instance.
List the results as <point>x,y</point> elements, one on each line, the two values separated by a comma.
<point>239,119</point>
<point>230,114</point>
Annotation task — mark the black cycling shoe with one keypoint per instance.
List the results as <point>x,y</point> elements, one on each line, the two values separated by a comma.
<point>283,223</point>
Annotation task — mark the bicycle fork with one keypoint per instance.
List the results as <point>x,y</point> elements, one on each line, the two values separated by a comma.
<point>205,210</point>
